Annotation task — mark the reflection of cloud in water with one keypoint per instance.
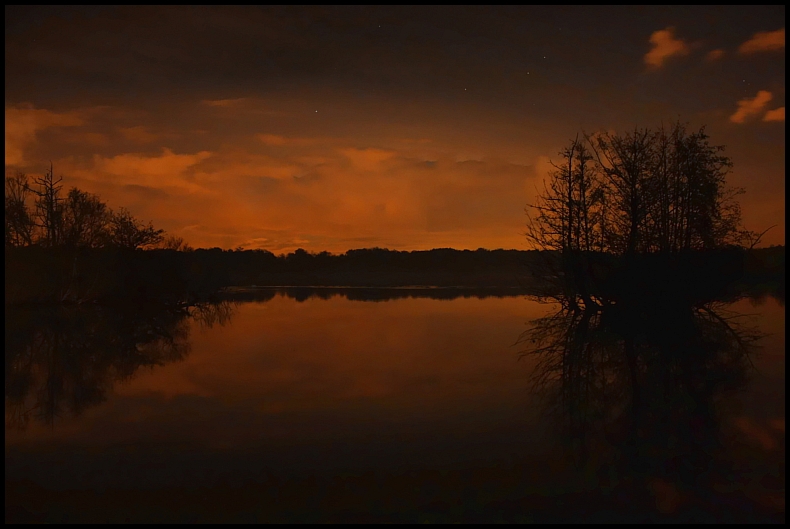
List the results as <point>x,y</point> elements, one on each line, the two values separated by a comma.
<point>63,360</point>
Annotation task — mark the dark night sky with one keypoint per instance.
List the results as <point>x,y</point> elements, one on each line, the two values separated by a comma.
<point>337,128</point>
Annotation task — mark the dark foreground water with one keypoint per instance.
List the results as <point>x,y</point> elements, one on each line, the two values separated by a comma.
<point>296,408</point>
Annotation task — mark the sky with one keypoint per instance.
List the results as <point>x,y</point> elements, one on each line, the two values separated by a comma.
<point>332,128</point>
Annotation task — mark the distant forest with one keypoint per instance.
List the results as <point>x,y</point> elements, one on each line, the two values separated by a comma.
<point>72,248</point>
<point>86,274</point>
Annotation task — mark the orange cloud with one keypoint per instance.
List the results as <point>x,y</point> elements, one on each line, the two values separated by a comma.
<point>751,107</point>
<point>777,114</point>
<point>162,171</point>
<point>224,102</point>
<point>764,41</point>
<point>138,134</point>
<point>261,180</point>
<point>665,45</point>
<point>282,141</point>
<point>715,55</point>
<point>335,194</point>
<point>22,123</point>
<point>243,105</point>
<point>367,159</point>
<point>92,139</point>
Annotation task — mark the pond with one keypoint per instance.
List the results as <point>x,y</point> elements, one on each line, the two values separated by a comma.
<point>338,406</point>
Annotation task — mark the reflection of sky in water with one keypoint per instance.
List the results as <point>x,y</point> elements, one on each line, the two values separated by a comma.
<point>334,386</point>
<point>358,383</point>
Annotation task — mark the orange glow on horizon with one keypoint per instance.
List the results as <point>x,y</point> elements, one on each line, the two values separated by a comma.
<point>350,144</point>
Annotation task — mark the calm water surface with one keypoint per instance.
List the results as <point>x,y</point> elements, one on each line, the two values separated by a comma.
<point>411,409</point>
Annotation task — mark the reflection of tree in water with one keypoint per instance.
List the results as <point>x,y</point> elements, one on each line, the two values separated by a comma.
<point>62,360</point>
<point>635,384</point>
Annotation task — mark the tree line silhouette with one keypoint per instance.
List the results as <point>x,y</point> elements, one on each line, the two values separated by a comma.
<point>76,220</point>
<point>619,213</point>
<point>74,247</point>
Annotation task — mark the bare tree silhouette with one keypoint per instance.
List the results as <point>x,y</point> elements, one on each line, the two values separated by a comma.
<point>643,191</point>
